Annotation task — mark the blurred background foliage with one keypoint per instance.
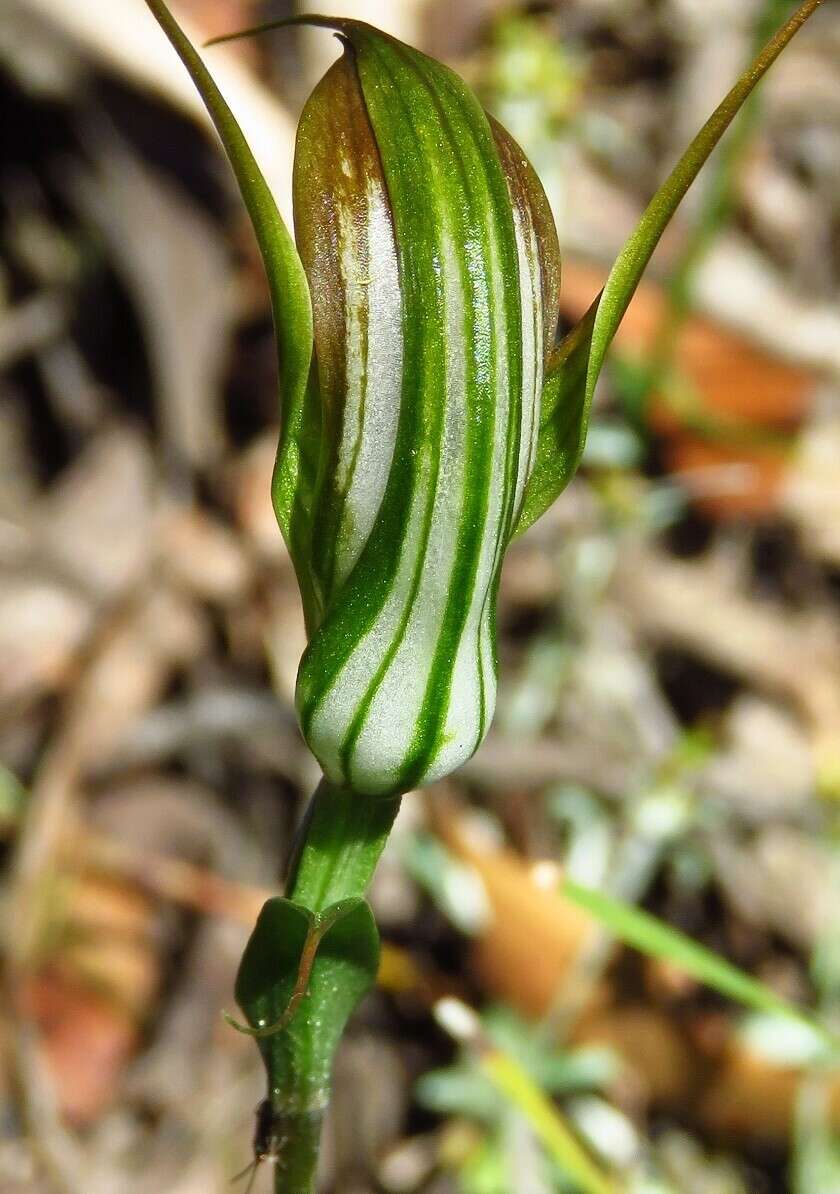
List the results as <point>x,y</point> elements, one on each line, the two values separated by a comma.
<point>669,726</point>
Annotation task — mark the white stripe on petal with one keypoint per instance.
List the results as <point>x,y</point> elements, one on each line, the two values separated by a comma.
<point>339,705</point>
<point>530,288</point>
<point>373,318</point>
<point>394,716</point>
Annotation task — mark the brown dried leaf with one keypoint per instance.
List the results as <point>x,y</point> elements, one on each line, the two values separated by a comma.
<point>534,936</point>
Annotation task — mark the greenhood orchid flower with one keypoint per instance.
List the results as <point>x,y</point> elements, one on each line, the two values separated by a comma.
<point>434,271</point>
<point>427,413</point>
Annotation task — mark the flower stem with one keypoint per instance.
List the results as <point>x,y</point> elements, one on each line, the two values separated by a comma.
<point>298,1138</point>
<point>338,846</point>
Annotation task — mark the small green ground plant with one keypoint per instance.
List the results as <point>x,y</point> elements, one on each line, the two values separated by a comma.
<point>428,416</point>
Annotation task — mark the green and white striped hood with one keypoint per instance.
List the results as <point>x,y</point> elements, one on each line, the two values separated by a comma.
<point>433,271</point>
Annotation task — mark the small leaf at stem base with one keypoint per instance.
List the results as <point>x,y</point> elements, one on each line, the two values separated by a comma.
<point>300,979</point>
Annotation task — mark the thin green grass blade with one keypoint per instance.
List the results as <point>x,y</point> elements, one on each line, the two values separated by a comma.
<point>286,278</point>
<point>547,1123</point>
<point>567,397</point>
<point>651,936</point>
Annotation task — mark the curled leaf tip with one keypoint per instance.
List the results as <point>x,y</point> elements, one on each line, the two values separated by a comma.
<point>261,1031</point>
<point>341,26</point>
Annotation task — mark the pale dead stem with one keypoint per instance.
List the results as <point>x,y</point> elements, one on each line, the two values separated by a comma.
<point>123,36</point>
<point>791,656</point>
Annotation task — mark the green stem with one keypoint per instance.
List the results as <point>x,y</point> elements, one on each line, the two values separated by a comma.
<point>335,855</point>
<point>338,846</point>
<point>298,1138</point>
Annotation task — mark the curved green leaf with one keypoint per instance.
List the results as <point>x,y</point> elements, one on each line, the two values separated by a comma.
<point>569,388</point>
<point>300,978</point>
<point>563,421</point>
<point>287,282</point>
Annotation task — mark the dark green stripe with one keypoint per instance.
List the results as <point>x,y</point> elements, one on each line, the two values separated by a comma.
<point>471,134</point>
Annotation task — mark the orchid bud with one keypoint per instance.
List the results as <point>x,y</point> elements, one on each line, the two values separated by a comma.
<point>433,269</point>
